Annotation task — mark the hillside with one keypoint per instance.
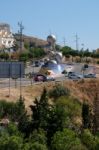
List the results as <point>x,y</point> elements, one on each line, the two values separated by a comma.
<point>82,90</point>
<point>36,41</point>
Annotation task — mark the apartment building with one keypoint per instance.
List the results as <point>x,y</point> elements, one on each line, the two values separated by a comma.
<point>6,37</point>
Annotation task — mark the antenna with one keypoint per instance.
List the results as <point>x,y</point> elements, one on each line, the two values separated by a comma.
<point>20,33</point>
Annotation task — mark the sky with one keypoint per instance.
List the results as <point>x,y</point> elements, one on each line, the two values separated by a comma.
<point>63,18</point>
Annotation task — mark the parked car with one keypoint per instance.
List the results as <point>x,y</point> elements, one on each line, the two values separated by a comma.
<point>40,77</point>
<point>43,78</point>
<point>50,78</point>
<point>36,63</point>
<point>86,66</point>
<point>75,76</point>
<point>71,73</point>
<point>66,73</point>
<point>90,75</point>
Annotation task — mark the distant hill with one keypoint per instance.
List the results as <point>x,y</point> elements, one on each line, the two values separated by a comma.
<point>29,39</point>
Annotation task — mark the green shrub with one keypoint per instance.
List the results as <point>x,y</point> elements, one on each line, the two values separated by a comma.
<point>14,111</point>
<point>72,112</point>
<point>58,91</point>
<point>66,140</point>
<point>91,141</point>
<point>7,109</point>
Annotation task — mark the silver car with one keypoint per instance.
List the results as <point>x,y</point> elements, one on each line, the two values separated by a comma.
<point>90,75</point>
<point>75,76</point>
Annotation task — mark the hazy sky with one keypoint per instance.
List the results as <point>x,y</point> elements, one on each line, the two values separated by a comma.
<point>63,18</point>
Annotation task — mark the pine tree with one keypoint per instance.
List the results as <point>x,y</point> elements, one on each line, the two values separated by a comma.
<point>85,115</point>
<point>23,119</point>
<point>40,111</point>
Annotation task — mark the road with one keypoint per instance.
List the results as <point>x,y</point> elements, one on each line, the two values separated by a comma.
<point>25,81</point>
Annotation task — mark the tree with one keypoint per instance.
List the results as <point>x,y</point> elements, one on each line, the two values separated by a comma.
<point>64,114</point>
<point>23,56</point>
<point>36,141</point>
<point>72,112</point>
<point>11,142</point>
<point>12,129</point>
<point>38,136</point>
<point>66,50</point>
<point>58,47</point>
<point>35,146</point>
<point>87,53</point>
<point>40,111</point>
<point>36,52</point>
<point>22,117</point>
<point>56,122</point>
<point>66,140</point>
<point>92,142</point>
<point>69,51</point>
<point>4,56</point>
<point>85,115</point>
<point>26,45</point>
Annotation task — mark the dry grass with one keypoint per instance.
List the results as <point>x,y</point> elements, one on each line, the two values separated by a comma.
<point>82,90</point>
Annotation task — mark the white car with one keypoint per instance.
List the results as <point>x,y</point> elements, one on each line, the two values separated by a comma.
<point>50,78</point>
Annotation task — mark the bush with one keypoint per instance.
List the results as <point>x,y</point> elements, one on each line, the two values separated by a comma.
<point>58,91</point>
<point>7,109</point>
<point>14,111</point>
<point>91,141</point>
<point>10,142</point>
<point>72,112</point>
<point>36,53</point>
<point>66,140</point>
<point>23,56</point>
<point>4,56</point>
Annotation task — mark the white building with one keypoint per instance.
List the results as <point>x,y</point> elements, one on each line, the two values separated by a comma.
<point>6,37</point>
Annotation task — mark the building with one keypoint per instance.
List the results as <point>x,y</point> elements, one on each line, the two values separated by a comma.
<point>6,37</point>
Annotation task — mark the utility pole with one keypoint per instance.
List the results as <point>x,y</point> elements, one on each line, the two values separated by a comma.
<point>82,52</point>
<point>77,38</point>
<point>64,41</point>
<point>20,33</point>
<point>50,32</point>
<point>82,46</point>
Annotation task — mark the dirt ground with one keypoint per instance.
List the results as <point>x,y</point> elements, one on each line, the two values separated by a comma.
<point>29,92</point>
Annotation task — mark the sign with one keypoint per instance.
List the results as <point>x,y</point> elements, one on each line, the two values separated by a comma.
<point>11,70</point>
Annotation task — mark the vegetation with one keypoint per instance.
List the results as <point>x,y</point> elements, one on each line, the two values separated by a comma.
<point>62,124</point>
<point>33,50</point>
<point>58,91</point>
<point>66,140</point>
<point>31,54</point>
<point>4,56</point>
<point>81,55</point>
